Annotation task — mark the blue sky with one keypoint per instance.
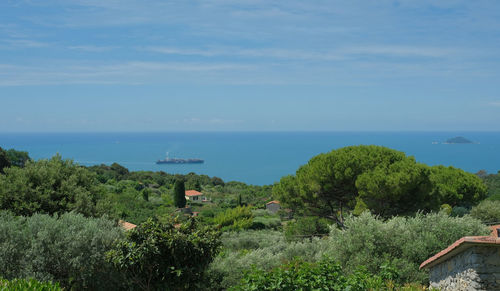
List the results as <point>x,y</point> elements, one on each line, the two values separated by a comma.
<point>136,65</point>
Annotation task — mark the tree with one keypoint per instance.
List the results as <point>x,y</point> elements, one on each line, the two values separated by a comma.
<point>379,179</point>
<point>399,188</point>
<point>49,186</point>
<point>160,256</point>
<point>326,185</point>
<point>4,160</point>
<point>18,158</point>
<point>457,187</point>
<point>179,194</point>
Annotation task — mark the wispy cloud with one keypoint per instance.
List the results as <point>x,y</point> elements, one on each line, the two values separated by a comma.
<point>21,43</point>
<point>92,48</point>
<point>118,73</point>
<point>329,55</point>
<point>495,103</point>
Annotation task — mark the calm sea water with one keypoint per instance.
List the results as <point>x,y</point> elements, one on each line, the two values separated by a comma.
<point>254,158</point>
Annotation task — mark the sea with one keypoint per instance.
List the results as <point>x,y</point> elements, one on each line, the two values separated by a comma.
<point>258,158</point>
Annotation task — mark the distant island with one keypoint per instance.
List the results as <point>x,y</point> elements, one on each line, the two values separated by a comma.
<point>458,139</point>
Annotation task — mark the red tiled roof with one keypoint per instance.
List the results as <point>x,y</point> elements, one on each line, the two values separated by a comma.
<point>193,193</point>
<point>459,246</point>
<point>126,225</point>
<point>274,201</point>
<point>495,230</point>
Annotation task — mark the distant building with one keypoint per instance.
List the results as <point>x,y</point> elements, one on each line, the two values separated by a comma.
<point>470,263</point>
<point>126,225</point>
<point>273,206</point>
<point>193,195</point>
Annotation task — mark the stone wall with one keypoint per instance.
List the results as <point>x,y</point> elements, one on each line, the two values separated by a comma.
<point>477,268</point>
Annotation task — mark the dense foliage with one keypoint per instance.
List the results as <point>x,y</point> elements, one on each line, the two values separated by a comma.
<point>488,211</point>
<point>235,219</point>
<point>264,249</point>
<point>49,186</point>
<point>162,256</point>
<point>385,181</point>
<point>323,275</point>
<point>27,285</point>
<point>179,194</point>
<point>401,242</point>
<point>69,249</point>
<point>304,248</point>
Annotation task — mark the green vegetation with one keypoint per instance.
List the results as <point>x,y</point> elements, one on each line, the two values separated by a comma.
<point>69,249</point>
<point>355,218</point>
<point>374,178</point>
<point>179,194</point>
<point>27,285</point>
<point>158,256</point>
<point>50,186</point>
<point>488,211</point>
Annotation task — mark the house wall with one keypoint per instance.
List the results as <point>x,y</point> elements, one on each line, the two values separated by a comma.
<point>477,268</point>
<point>273,207</point>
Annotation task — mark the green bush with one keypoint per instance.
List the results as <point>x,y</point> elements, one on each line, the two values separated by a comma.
<point>488,211</point>
<point>307,227</point>
<point>160,256</point>
<point>300,275</point>
<point>27,285</point>
<point>235,219</point>
<point>69,249</point>
<point>264,249</point>
<point>49,186</point>
<point>402,242</point>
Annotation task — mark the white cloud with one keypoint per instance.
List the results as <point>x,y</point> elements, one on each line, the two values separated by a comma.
<point>92,48</point>
<point>495,103</point>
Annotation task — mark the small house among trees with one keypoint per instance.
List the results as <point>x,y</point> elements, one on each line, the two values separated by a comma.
<point>273,206</point>
<point>470,263</point>
<point>194,195</point>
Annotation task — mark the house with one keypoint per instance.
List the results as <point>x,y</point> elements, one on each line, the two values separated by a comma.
<point>470,263</point>
<point>273,206</point>
<point>126,225</point>
<point>193,195</point>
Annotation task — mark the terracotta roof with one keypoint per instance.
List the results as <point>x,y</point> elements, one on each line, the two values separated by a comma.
<point>274,201</point>
<point>458,247</point>
<point>495,230</point>
<point>193,193</point>
<point>126,225</point>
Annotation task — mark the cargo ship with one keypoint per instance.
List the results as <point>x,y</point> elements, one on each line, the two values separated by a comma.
<point>168,160</point>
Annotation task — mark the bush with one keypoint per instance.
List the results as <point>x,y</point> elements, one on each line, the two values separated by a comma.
<point>307,227</point>
<point>401,242</point>
<point>264,249</point>
<point>160,256</point>
<point>27,285</point>
<point>235,219</point>
<point>323,275</point>
<point>49,186</point>
<point>488,211</point>
<point>69,249</point>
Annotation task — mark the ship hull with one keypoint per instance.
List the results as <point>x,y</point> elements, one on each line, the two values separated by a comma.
<point>179,161</point>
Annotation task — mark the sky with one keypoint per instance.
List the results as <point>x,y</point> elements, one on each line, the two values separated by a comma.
<point>242,65</point>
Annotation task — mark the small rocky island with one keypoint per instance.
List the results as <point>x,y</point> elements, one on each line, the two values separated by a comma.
<point>458,139</point>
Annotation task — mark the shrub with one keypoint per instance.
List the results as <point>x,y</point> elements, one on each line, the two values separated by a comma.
<point>49,186</point>
<point>323,275</point>
<point>69,249</point>
<point>235,219</point>
<point>158,256</point>
<point>402,242</point>
<point>488,211</point>
<point>27,285</point>
<point>264,249</point>
<point>307,227</point>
